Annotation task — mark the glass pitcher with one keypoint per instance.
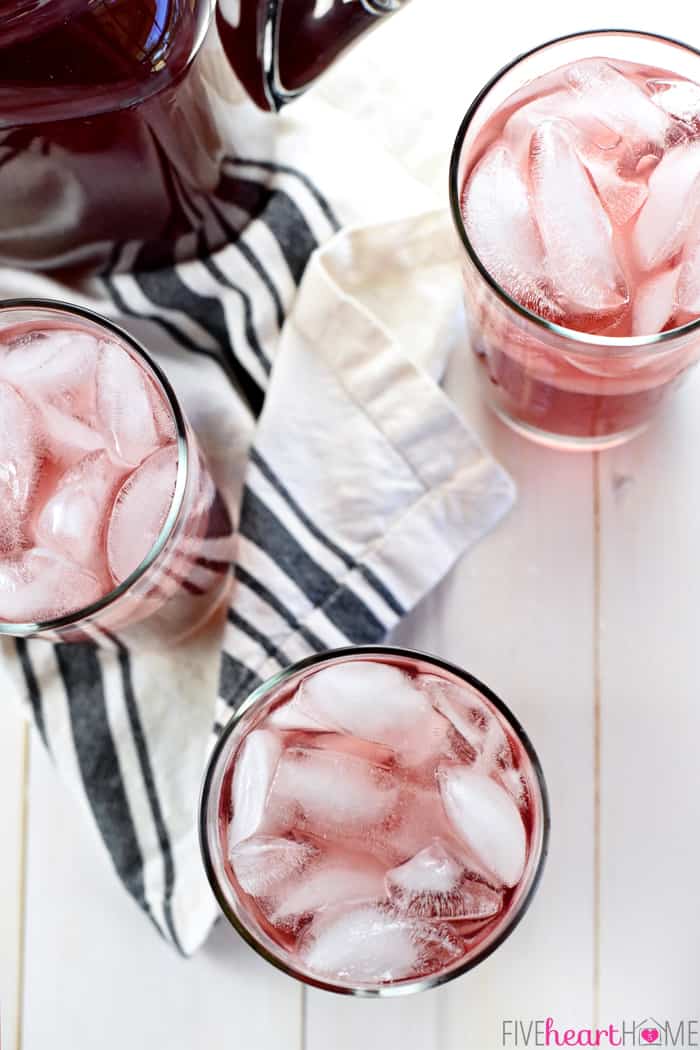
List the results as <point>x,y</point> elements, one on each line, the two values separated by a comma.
<point>107,111</point>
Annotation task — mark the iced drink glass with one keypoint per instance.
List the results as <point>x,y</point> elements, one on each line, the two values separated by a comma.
<point>575,191</point>
<point>108,513</point>
<point>374,821</point>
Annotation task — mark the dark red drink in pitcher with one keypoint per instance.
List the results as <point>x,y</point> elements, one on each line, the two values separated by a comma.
<point>278,48</point>
<point>107,130</point>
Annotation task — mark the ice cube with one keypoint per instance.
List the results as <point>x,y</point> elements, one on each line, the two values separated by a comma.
<point>433,885</point>
<point>20,453</point>
<point>41,585</point>
<point>372,700</point>
<point>575,229</point>
<point>622,197</point>
<point>514,782</point>
<point>255,767</point>
<point>674,196</point>
<point>353,745</point>
<point>501,227</point>
<point>330,794</point>
<point>431,741</point>
<point>655,303</point>
<point>67,435</point>
<point>618,102</point>
<point>475,722</point>
<point>334,878</point>
<point>72,522</point>
<point>678,98</point>
<point>486,818</point>
<point>262,863</point>
<point>560,105</point>
<point>417,818</point>
<point>370,944</point>
<point>50,363</point>
<point>290,716</point>
<point>401,726</point>
<point>126,413</point>
<point>689,278</point>
<point>605,156</point>
<point>140,510</point>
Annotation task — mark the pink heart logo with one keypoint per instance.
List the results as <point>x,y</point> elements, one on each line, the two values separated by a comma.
<point>650,1035</point>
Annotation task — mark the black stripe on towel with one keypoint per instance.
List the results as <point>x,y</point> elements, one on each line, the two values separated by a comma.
<point>206,257</point>
<point>175,333</point>
<point>378,585</point>
<point>261,639</point>
<point>32,684</point>
<point>235,238</point>
<point>282,215</point>
<point>101,773</point>
<point>151,790</point>
<point>235,372</point>
<point>251,334</point>
<point>287,169</point>
<point>165,288</point>
<point>282,611</point>
<point>381,589</point>
<point>341,605</point>
<point>237,681</point>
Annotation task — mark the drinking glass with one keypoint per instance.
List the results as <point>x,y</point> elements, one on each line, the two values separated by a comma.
<point>185,575</point>
<point>216,809</point>
<point>555,385</point>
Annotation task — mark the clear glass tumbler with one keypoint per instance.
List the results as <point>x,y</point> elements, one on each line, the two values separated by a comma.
<point>559,386</point>
<point>318,822</point>
<point>109,516</point>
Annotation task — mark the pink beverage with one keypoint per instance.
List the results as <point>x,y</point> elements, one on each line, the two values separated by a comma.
<point>578,175</point>
<point>374,820</point>
<point>107,509</point>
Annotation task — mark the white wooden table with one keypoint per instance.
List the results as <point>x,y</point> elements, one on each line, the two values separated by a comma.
<point>581,611</point>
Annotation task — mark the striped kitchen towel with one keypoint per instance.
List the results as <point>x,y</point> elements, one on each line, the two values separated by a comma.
<point>303,325</point>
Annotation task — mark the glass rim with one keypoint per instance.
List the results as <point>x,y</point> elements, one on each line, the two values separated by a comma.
<point>219,753</point>
<point>586,342</point>
<point>27,629</point>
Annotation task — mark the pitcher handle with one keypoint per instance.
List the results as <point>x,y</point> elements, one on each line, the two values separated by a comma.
<point>278,48</point>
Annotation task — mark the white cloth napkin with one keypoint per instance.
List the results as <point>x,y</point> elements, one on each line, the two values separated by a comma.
<point>355,489</point>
